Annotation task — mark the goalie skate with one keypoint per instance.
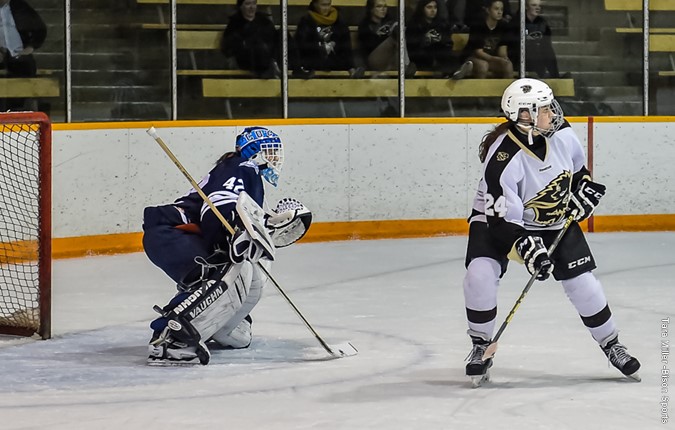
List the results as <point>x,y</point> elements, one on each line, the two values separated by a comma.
<point>165,351</point>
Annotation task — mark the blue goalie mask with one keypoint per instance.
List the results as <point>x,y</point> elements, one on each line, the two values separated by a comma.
<point>263,147</point>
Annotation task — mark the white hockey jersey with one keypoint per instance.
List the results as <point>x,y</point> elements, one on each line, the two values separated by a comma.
<point>528,187</point>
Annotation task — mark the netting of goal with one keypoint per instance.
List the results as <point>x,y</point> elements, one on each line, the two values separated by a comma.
<point>25,224</point>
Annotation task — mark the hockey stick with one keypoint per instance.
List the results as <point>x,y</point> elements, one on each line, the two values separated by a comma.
<point>343,350</point>
<point>492,348</point>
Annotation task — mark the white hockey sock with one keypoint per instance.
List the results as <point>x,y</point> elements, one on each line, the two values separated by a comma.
<point>480,294</point>
<point>586,294</point>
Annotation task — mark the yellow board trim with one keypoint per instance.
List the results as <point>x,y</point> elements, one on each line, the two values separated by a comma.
<point>121,243</point>
<point>329,121</point>
<point>71,247</point>
<point>634,223</point>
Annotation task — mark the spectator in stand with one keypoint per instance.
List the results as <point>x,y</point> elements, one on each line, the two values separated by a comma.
<point>22,32</point>
<point>488,44</point>
<point>475,12</point>
<point>252,39</point>
<point>379,39</point>
<point>323,40</point>
<point>539,54</point>
<point>429,40</point>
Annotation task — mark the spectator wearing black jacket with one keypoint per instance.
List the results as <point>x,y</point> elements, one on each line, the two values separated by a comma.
<point>378,37</point>
<point>540,57</point>
<point>323,41</point>
<point>429,39</point>
<point>24,31</point>
<point>252,39</point>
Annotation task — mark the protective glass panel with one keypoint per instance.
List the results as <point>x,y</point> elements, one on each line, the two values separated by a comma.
<point>602,53</point>
<point>229,59</point>
<point>120,61</point>
<point>662,60</point>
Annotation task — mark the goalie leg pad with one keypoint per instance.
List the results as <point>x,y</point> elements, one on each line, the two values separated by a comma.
<point>194,316</point>
<point>238,338</point>
<point>233,327</point>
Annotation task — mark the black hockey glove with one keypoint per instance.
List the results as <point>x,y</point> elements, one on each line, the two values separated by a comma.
<point>585,199</point>
<point>535,256</point>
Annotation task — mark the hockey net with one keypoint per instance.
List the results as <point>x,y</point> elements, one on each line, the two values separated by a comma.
<point>25,224</point>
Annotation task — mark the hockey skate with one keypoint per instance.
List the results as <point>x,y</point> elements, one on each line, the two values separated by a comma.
<point>617,355</point>
<point>164,351</point>
<point>477,369</point>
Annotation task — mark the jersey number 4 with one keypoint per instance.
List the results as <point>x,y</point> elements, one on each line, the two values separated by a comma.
<point>495,207</point>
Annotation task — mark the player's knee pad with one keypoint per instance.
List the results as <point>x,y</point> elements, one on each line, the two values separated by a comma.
<point>586,294</point>
<point>481,282</point>
<point>585,290</point>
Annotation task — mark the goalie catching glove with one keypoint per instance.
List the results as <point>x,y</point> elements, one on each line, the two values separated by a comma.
<point>535,256</point>
<point>585,199</point>
<point>289,222</point>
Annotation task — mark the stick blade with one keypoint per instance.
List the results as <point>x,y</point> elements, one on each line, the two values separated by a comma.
<point>341,350</point>
<point>490,351</point>
<point>345,349</point>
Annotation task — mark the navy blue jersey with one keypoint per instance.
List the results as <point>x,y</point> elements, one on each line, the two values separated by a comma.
<point>222,185</point>
<point>172,246</point>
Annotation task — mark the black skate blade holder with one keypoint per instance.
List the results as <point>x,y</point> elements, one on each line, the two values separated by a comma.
<point>492,348</point>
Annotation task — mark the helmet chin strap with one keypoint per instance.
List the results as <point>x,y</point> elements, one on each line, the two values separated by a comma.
<point>529,129</point>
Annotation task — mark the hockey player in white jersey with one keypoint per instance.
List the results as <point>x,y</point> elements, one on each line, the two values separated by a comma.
<point>533,177</point>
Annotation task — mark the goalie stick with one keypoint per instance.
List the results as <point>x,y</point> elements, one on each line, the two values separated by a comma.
<point>343,350</point>
<point>492,348</point>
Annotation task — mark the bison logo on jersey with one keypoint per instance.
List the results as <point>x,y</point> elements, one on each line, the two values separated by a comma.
<point>550,203</point>
<point>502,156</point>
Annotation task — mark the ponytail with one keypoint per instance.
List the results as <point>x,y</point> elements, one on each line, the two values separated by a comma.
<point>490,138</point>
<point>227,155</point>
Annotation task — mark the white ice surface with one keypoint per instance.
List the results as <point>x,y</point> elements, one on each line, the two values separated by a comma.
<point>398,301</point>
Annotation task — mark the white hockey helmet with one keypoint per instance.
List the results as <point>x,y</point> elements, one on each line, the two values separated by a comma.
<point>531,94</point>
<point>263,147</point>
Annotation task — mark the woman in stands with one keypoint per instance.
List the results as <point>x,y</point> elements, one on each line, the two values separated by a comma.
<point>429,39</point>
<point>323,41</point>
<point>488,44</point>
<point>250,37</point>
<point>540,57</point>
<point>379,39</point>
